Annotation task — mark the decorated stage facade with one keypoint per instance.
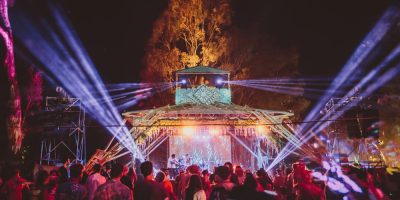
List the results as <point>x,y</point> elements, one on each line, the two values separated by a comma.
<point>205,125</point>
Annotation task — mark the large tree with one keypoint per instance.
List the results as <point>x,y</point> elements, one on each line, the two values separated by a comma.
<point>201,32</point>
<point>14,121</point>
<point>187,34</point>
<point>254,54</point>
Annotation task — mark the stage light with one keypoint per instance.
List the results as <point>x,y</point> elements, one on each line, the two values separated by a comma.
<point>219,81</point>
<point>375,78</point>
<point>213,131</point>
<point>66,63</point>
<point>188,130</point>
<point>183,81</point>
<point>370,42</point>
<point>261,129</point>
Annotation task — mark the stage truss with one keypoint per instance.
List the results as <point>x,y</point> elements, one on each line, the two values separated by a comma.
<point>365,151</point>
<point>150,128</point>
<point>204,102</point>
<point>64,132</point>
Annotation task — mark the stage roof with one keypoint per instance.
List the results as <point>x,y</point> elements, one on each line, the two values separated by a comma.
<point>214,112</point>
<point>201,70</point>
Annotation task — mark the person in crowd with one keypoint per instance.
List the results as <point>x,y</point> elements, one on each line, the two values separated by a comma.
<point>264,180</point>
<point>279,184</point>
<point>212,179</point>
<point>166,173</point>
<point>42,180</point>
<point>53,173</point>
<point>232,176</point>
<point>159,177</point>
<point>84,178</point>
<point>128,177</point>
<point>195,190</point>
<point>133,175</point>
<point>223,185</point>
<point>62,174</point>
<point>13,188</point>
<point>166,184</point>
<point>72,189</point>
<point>106,172</point>
<point>205,180</point>
<point>148,189</point>
<point>306,189</point>
<point>249,190</point>
<point>51,187</point>
<point>113,188</point>
<point>373,191</point>
<point>290,194</point>
<point>183,183</point>
<point>178,183</point>
<point>392,182</point>
<point>94,181</point>
<point>298,169</point>
<point>240,174</point>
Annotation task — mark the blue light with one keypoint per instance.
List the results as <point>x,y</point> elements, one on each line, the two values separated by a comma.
<point>68,64</point>
<point>219,81</point>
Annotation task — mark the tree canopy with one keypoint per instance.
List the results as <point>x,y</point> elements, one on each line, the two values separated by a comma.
<point>202,32</point>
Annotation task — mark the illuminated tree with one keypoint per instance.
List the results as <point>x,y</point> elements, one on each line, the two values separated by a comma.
<point>188,33</point>
<point>200,32</point>
<point>14,121</point>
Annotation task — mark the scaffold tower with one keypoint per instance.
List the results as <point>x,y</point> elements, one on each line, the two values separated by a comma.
<point>64,133</point>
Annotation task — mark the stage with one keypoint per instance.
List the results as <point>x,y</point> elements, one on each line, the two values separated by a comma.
<point>205,124</point>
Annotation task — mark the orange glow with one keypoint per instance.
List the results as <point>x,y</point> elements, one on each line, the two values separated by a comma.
<point>213,131</point>
<point>260,129</point>
<point>188,130</point>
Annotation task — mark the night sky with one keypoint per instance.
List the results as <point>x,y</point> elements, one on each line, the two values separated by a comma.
<point>325,32</point>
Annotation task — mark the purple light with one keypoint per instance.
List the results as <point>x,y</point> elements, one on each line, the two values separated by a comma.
<point>67,63</point>
<point>219,81</point>
<point>370,42</point>
<point>374,37</point>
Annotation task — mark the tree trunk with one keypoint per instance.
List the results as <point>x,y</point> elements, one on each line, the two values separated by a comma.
<point>14,120</point>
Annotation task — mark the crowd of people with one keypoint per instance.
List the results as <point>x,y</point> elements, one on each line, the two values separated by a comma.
<point>224,182</point>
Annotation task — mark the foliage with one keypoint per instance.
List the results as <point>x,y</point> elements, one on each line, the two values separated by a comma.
<point>201,32</point>
<point>188,33</point>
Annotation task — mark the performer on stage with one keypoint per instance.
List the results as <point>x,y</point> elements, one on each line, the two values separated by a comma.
<point>173,166</point>
<point>187,160</point>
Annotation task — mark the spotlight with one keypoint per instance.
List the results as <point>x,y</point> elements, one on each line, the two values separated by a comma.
<point>219,81</point>
<point>213,131</point>
<point>188,130</point>
<point>260,129</point>
<point>183,81</point>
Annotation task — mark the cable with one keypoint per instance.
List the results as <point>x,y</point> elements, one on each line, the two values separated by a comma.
<point>267,124</point>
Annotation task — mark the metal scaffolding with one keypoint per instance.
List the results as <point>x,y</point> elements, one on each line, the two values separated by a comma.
<point>64,135</point>
<point>333,107</point>
<point>365,151</point>
<point>150,128</point>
